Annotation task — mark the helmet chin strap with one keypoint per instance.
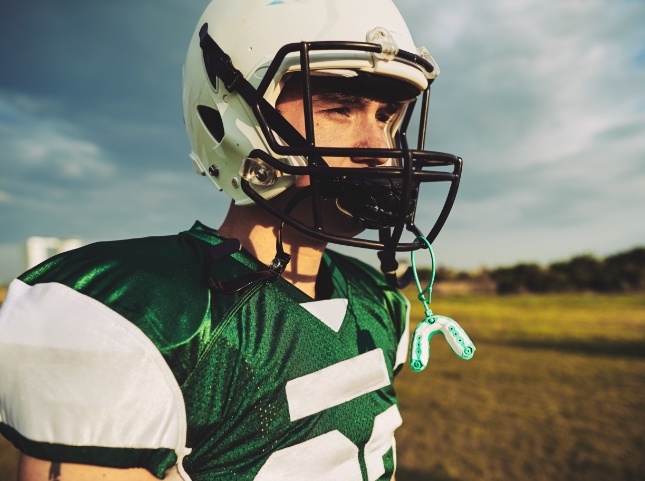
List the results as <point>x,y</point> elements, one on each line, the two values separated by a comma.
<point>389,264</point>
<point>271,273</point>
<point>281,259</point>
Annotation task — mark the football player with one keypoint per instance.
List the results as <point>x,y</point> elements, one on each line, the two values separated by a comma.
<point>250,352</point>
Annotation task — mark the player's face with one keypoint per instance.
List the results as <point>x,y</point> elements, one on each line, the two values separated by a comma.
<point>342,119</point>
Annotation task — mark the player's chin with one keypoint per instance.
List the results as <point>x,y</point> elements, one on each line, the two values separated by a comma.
<point>334,220</point>
<point>340,223</point>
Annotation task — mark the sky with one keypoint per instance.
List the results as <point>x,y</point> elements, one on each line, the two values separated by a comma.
<point>545,102</point>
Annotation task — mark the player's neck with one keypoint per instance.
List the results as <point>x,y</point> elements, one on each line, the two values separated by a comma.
<point>256,230</point>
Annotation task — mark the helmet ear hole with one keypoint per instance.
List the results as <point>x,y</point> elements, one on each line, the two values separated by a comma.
<point>212,120</point>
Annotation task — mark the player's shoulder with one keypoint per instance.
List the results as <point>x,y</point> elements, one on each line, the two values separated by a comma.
<point>152,281</point>
<point>103,329</point>
<point>80,267</point>
<point>166,260</point>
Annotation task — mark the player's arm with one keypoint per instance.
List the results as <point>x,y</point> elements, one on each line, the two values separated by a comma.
<point>32,469</point>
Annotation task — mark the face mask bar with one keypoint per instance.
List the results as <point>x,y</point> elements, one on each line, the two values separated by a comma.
<point>416,166</point>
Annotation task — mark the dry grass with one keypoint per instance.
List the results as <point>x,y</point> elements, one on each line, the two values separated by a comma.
<point>554,392</point>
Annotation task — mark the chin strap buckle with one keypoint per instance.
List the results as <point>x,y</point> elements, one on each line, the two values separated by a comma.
<point>279,263</point>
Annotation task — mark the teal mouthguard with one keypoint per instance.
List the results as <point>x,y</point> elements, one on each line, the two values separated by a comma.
<point>457,338</point>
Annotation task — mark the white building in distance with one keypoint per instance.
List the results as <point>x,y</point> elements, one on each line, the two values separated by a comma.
<point>40,249</point>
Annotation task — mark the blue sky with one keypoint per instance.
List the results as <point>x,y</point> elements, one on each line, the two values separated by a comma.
<point>543,100</point>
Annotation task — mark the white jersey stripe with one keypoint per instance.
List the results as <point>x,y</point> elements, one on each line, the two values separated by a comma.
<point>336,384</point>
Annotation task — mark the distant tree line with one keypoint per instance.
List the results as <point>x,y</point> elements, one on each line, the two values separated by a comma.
<point>619,273</point>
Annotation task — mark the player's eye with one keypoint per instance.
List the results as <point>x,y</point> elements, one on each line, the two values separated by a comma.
<point>342,111</point>
<point>388,113</point>
<point>384,118</point>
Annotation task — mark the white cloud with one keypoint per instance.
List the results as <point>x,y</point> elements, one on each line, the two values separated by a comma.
<point>545,102</point>
<point>31,142</point>
<point>73,158</point>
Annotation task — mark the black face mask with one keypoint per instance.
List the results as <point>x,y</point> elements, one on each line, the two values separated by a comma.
<point>375,203</point>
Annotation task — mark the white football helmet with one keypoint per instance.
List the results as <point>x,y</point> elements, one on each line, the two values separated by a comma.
<point>239,58</point>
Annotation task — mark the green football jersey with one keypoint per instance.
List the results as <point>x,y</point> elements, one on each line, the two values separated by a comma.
<point>118,354</point>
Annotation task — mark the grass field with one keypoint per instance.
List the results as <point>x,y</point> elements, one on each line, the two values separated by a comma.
<point>554,392</point>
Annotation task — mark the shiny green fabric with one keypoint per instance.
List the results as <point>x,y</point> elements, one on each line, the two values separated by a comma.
<point>232,354</point>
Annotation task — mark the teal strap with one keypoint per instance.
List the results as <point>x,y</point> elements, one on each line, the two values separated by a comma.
<point>427,290</point>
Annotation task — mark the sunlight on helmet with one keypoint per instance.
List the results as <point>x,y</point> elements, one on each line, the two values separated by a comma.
<point>257,172</point>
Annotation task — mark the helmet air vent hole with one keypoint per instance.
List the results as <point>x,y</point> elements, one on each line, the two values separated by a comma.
<point>212,120</point>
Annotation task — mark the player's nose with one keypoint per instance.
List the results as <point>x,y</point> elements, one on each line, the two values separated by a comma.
<point>370,135</point>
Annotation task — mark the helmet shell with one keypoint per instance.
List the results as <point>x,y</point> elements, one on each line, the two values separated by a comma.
<point>251,32</point>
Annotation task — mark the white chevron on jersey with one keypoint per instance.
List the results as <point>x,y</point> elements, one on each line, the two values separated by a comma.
<point>329,311</point>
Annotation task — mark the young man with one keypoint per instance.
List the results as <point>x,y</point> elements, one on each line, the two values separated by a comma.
<point>250,352</point>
